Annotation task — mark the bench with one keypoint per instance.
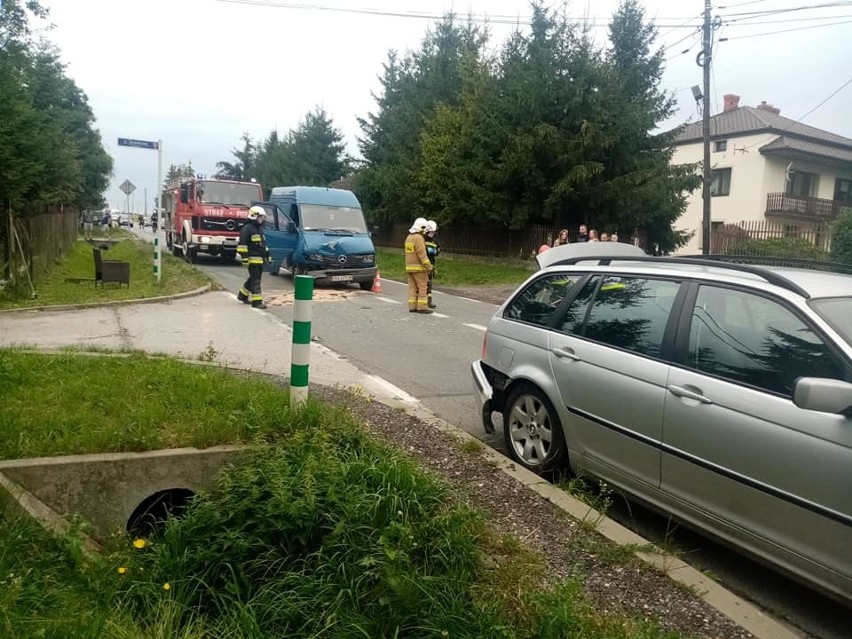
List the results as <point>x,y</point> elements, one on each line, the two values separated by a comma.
<point>110,270</point>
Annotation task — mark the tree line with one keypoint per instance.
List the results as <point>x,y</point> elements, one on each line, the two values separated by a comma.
<point>50,151</point>
<point>546,128</point>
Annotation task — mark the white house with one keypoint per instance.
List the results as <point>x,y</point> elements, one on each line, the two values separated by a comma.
<point>766,167</point>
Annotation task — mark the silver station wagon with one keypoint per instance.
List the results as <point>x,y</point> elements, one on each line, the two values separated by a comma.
<point>719,393</point>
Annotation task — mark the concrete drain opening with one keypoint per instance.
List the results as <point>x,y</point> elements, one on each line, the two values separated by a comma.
<point>151,515</point>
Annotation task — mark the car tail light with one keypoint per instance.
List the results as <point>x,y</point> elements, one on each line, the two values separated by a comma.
<point>484,344</point>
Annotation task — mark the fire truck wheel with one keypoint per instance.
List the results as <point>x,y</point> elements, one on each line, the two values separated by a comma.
<point>191,254</point>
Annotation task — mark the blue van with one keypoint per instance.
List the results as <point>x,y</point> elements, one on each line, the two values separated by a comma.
<point>321,232</point>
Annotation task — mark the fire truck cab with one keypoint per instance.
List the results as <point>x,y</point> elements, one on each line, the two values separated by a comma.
<point>204,215</point>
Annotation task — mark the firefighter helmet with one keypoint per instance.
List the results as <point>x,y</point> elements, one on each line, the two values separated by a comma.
<point>256,212</point>
<point>419,225</point>
<point>431,226</point>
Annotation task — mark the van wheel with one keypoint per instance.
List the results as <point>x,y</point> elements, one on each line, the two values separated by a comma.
<point>532,430</point>
<point>366,286</point>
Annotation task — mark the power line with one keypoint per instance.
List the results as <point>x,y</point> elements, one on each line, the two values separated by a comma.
<point>843,86</point>
<point>766,33</point>
<point>489,19</point>
<point>741,4</point>
<point>773,12</point>
<point>741,22</point>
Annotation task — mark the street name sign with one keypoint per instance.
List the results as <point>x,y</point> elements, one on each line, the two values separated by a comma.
<point>127,186</point>
<point>139,144</point>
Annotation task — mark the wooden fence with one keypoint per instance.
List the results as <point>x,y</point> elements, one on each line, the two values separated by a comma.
<point>33,243</point>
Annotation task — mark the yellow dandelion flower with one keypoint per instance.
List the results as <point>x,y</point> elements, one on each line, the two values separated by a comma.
<point>167,586</point>
<point>122,570</point>
<point>139,544</point>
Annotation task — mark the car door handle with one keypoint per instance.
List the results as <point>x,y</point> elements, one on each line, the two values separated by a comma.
<point>687,393</point>
<point>565,353</point>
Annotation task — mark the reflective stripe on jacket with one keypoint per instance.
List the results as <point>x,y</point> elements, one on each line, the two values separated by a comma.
<point>416,259</point>
<point>252,247</point>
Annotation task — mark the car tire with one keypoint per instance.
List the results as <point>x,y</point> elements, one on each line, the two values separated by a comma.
<point>366,286</point>
<point>532,430</point>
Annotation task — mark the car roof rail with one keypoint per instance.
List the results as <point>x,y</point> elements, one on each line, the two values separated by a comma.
<point>700,260</point>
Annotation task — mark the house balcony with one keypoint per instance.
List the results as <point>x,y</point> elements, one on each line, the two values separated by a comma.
<point>804,207</point>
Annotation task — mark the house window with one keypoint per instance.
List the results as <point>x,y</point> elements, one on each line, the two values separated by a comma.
<point>720,145</point>
<point>801,183</point>
<point>843,190</point>
<point>720,182</point>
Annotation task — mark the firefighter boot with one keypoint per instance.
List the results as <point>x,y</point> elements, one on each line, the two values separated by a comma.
<point>243,296</point>
<point>259,304</point>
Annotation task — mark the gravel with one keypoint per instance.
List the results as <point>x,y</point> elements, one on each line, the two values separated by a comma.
<point>614,582</point>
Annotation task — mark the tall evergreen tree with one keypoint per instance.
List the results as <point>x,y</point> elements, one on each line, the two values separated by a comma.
<point>245,165</point>
<point>640,187</point>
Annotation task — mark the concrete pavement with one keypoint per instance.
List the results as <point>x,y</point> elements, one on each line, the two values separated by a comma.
<point>210,326</point>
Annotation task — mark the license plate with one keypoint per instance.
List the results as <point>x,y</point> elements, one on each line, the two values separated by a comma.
<point>341,278</point>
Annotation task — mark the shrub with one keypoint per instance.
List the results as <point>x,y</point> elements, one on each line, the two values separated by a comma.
<point>841,238</point>
<point>786,247</point>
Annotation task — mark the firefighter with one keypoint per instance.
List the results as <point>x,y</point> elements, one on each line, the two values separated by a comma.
<point>254,253</point>
<point>417,266</point>
<point>432,251</point>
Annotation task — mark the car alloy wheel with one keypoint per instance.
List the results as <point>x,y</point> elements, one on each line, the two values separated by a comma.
<point>532,430</point>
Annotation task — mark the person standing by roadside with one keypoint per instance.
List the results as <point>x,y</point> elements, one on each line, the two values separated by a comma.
<point>252,248</point>
<point>417,266</point>
<point>106,223</point>
<point>561,239</point>
<point>432,251</point>
<point>583,235</point>
<point>88,223</point>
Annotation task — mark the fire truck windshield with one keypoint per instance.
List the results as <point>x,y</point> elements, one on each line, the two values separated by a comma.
<point>230,194</point>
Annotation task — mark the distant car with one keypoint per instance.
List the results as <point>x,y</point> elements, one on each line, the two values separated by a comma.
<point>125,219</point>
<point>718,393</point>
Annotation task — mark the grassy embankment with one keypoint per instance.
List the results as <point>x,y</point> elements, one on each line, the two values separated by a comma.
<point>322,532</point>
<point>53,289</point>
<point>457,270</point>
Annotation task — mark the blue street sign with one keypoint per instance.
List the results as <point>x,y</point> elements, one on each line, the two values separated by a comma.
<point>139,144</point>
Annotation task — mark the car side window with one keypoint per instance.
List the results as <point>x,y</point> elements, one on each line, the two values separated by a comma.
<point>750,339</point>
<point>631,313</point>
<point>538,301</point>
<point>574,317</point>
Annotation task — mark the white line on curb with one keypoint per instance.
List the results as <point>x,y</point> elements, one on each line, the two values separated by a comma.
<point>388,300</point>
<point>396,391</point>
<point>478,327</point>
<point>469,299</point>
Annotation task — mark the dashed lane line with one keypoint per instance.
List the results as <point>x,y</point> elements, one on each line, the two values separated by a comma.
<point>478,327</point>
<point>441,315</point>
<point>388,300</point>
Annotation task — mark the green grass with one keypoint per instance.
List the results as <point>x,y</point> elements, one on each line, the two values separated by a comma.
<point>52,289</point>
<point>457,270</point>
<point>329,534</point>
<point>72,404</point>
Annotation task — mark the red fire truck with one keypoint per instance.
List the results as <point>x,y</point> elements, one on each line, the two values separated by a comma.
<point>201,215</point>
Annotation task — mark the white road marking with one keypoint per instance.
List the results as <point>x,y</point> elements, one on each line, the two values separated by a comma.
<point>469,299</point>
<point>441,315</point>
<point>388,300</point>
<point>397,392</point>
<point>478,327</point>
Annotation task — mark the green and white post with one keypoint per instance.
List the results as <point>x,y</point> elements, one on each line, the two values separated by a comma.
<point>158,258</point>
<point>301,356</point>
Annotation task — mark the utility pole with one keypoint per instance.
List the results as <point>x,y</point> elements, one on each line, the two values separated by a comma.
<point>706,61</point>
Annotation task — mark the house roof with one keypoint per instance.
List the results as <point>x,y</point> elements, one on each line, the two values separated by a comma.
<point>750,120</point>
<point>786,145</point>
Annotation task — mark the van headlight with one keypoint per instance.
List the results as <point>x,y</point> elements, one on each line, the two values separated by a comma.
<point>314,257</point>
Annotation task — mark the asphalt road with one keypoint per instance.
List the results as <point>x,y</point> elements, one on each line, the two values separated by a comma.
<point>429,358</point>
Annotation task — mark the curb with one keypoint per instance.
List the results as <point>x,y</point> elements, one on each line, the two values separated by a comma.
<point>145,300</point>
<point>737,609</point>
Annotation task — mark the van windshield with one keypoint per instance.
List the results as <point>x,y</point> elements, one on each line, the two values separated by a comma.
<point>317,217</point>
<point>837,311</point>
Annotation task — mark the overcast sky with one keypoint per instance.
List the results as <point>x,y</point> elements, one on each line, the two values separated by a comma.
<point>199,73</point>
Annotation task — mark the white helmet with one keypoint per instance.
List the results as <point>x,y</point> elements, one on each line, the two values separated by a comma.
<point>256,212</point>
<point>419,225</point>
<point>431,226</point>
